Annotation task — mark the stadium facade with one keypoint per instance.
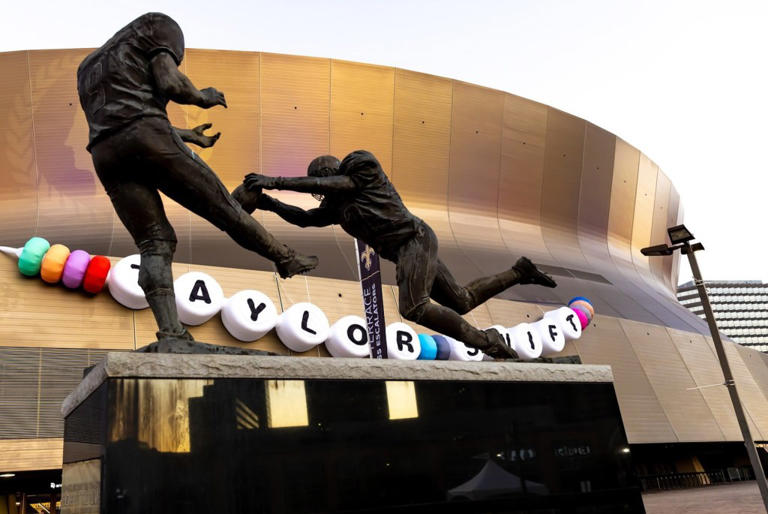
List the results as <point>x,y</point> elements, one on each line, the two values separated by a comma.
<point>495,175</point>
<point>740,308</point>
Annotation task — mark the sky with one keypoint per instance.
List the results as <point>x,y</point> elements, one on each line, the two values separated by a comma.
<point>683,81</point>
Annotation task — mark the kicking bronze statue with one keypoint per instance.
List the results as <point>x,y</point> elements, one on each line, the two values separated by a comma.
<point>358,196</point>
<point>124,88</point>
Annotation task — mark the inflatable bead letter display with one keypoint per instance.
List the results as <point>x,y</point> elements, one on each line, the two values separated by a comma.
<point>302,327</point>
<point>527,341</point>
<point>349,338</point>
<point>198,297</point>
<point>123,283</point>
<point>249,315</point>
<point>75,268</point>
<point>402,342</point>
<point>53,263</point>
<point>56,263</point>
<point>31,257</point>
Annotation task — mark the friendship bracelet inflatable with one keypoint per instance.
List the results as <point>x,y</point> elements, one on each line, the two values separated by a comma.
<point>56,263</point>
<point>249,315</point>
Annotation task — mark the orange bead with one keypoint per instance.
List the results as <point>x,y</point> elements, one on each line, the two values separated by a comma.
<point>53,263</point>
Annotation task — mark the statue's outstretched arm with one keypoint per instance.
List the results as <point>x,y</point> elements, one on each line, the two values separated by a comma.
<point>196,135</point>
<point>318,217</point>
<point>318,185</point>
<point>176,86</point>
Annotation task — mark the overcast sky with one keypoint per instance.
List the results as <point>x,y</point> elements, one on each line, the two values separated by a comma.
<point>683,81</point>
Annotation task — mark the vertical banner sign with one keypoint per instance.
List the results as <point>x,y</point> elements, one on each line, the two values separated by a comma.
<point>370,281</point>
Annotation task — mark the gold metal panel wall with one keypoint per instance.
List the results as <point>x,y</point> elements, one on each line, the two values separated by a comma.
<point>644,419</point>
<point>33,313</point>
<point>659,227</point>
<point>671,262</point>
<point>751,396</point>
<point>520,179</point>
<point>622,209</point>
<point>238,151</point>
<point>31,454</point>
<point>362,98</point>
<point>645,197</point>
<point>18,189</point>
<point>67,182</point>
<point>420,154</point>
<point>474,177</point>
<point>560,191</point>
<point>705,370</point>
<point>295,103</point>
<point>672,382</point>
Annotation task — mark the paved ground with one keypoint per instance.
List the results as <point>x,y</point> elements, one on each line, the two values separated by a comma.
<point>738,498</point>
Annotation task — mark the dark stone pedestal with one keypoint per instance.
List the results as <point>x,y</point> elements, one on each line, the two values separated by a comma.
<point>158,433</point>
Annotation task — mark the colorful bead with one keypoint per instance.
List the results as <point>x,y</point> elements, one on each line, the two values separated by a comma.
<point>74,269</point>
<point>96,274</point>
<point>428,347</point>
<point>32,256</point>
<point>53,263</point>
<point>586,306</point>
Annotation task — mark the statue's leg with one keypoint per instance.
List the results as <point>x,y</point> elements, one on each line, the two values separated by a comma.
<point>465,298</point>
<point>184,177</point>
<point>140,208</point>
<point>416,269</point>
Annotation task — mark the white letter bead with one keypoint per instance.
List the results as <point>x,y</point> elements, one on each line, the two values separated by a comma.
<point>198,297</point>
<point>302,327</point>
<point>402,342</point>
<point>462,352</point>
<point>552,338</point>
<point>123,283</point>
<point>349,338</point>
<point>249,315</point>
<point>568,321</point>
<point>527,341</point>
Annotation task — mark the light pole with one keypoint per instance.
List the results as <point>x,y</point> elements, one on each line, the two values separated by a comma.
<point>681,238</point>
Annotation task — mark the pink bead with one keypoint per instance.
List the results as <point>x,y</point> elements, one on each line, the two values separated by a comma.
<point>583,319</point>
<point>74,269</point>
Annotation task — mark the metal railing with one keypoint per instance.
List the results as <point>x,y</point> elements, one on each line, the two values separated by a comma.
<point>667,481</point>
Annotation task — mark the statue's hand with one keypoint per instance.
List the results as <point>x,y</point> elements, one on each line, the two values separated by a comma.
<point>211,97</point>
<point>255,181</point>
<point>202,140</point>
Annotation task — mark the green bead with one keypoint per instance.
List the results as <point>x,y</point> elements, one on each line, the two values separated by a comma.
<point>32,256</point>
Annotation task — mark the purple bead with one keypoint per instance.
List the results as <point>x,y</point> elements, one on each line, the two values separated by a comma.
<point>74,268</point>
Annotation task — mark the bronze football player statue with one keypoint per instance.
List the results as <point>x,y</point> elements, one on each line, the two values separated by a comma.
<point>124,88</point>
<point>358,196</point>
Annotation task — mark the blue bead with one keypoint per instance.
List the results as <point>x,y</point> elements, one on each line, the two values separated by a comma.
<point>443,348</point>
<point>428,347</point>
<point>576,298</point>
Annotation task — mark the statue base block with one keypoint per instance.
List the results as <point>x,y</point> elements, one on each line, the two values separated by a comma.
<point>158,433</point>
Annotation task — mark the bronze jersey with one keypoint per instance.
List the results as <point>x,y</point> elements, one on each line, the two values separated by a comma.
<point>374,211</point>
<point>115,82</point>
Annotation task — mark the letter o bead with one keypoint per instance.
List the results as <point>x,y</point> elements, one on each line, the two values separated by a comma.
<point>348,337</point>
<point>302,327</point>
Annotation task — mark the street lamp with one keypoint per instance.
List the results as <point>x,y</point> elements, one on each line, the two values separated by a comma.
<point>680,238</point>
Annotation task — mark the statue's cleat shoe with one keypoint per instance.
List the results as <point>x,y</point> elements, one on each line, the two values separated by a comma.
<point>184,335</point>
<point>530,274</point>
<point>497,347</point>
<point>296,264</point>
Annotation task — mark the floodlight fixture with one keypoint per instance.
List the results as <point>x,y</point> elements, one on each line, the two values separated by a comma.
<point>679,234</point>
<point>653,251</point>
